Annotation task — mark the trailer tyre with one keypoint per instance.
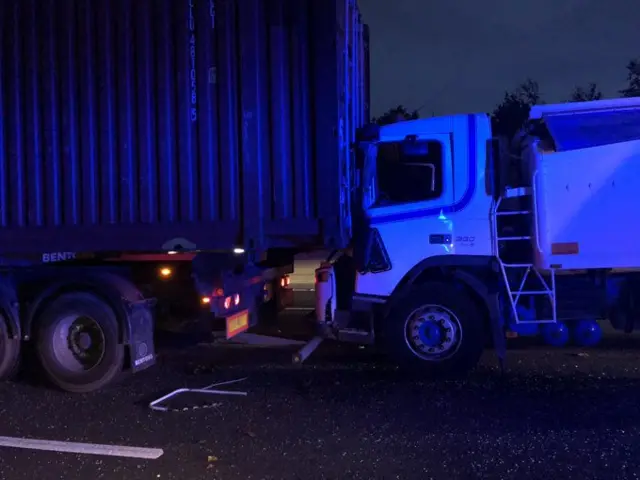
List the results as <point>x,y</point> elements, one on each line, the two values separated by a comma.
<point>9,352</point>
<point>436,328</point>
<point>77,343</point>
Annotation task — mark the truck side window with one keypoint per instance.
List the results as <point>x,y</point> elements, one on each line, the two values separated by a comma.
<point>409,172</point>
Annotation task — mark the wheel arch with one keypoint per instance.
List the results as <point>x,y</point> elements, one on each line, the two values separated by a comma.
<point>478,275</point>
<point>114,289</point>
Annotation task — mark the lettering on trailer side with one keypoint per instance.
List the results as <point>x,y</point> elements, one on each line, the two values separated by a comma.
<point>212,70</point>
<point>212,14</point>
<point>52,257</point>
<point>192,58</point>
<point>144,359</point>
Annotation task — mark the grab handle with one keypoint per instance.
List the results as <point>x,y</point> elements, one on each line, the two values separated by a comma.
<point>534,208</point>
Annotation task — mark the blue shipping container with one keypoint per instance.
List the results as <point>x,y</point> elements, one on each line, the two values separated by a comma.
<point>128,124</point>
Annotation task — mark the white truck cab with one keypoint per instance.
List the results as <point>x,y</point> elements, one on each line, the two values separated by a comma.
<point>461,237</point>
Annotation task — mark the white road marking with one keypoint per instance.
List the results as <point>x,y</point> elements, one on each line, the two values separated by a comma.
<point>86,448</point>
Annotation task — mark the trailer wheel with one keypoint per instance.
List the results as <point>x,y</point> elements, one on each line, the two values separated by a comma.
<point>9,351</point>
<point>436,328</point>
<point>78,344</point>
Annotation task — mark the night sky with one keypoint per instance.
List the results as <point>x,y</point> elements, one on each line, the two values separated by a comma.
<point>454,56</point>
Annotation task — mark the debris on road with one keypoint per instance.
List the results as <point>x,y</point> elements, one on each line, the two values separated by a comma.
<point>158,406</point>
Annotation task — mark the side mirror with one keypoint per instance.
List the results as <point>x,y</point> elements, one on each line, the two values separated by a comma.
<point>365,135</point>
<point>494,178</point>
<point>360,153</point>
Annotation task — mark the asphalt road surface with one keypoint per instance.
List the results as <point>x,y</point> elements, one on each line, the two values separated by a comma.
<point>347,415</point>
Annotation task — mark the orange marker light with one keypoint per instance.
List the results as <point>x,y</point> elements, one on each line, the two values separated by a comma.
<point>166,272</point>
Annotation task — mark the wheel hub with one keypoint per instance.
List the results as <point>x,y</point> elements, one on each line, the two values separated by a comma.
<point>85,343</point>
<point>432,332</point>
<point>82,341</point>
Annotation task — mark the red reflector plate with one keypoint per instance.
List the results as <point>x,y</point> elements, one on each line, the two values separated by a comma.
<point>569,248</point>
<point>238,323</point>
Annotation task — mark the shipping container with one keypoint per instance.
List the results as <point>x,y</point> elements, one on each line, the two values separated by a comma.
<point>149,124</point>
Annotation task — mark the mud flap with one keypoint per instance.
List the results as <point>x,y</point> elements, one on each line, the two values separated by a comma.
<point>497,329</point>
<point>141,335</point>
<point>489,290</point>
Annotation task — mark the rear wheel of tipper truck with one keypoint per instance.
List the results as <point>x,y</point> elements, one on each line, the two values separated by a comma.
<point>9,351</point>
<point>436,328</point>
<point>77,343</point>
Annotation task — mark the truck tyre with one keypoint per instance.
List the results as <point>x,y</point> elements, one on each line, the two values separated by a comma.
<point>436,328</point>
<point>77,343</point>
<point>9,351</point>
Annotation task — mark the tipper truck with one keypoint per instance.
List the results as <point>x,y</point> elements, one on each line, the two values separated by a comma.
<point>163,155</point>
<point>461,238</point>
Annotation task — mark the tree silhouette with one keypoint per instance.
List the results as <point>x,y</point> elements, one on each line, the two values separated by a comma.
<point>396,114</point>
<point>633,79</point>
<point>510,115</point>
<point>591,92</point>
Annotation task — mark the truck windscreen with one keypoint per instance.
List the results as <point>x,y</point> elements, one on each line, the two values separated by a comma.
<point>408,172</point>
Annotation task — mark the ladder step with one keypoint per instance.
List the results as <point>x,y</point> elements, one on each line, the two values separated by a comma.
<point>517,192</point>
<point>501,239</point>
<point>354,335</point>
<point>532,292</point>
<point>518,212</point>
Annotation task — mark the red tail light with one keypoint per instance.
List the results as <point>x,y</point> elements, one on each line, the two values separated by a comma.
<point>231,301</point>
<point>322,276</point>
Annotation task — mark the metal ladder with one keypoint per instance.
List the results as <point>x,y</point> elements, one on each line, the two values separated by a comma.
<point>526,270</point>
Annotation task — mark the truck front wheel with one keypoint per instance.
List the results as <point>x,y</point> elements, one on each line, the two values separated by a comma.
<point>435,327</point>
<point>77,343</point>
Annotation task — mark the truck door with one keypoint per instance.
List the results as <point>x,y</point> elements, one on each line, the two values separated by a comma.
<point>406,183</point>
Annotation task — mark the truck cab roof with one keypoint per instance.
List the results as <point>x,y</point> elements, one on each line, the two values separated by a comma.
<point>429,125</point>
